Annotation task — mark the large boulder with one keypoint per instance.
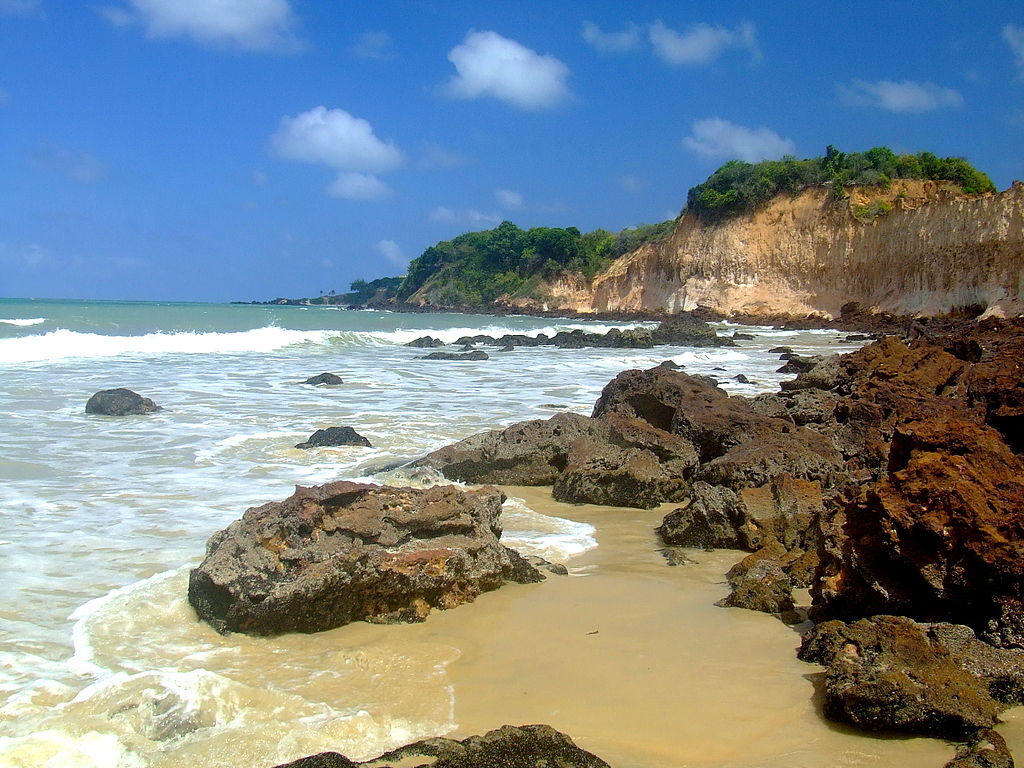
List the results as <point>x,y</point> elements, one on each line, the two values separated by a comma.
<point>324,379</point>
<point>763,587</point>
<point>940,537</point>
<point>526,746</point>
<point>685,330</point>
<point>526,453</point>
<point>120,402</point>
<point>342,552</point>
<point>890,673</point>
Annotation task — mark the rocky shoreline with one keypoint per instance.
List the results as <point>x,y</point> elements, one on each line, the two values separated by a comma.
<point>889,482</point>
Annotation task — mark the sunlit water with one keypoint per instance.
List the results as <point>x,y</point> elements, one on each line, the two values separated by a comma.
<point>102,661</point>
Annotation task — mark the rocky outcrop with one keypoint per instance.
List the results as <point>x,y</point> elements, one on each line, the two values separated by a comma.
<point>890,673</point>
<point>763,586</point>
<point>477,354</point>
<point>526,746</point>
<point>986,749</point>
<point>120,402</point>
<point>342,552</point>
<point>936,251</point>
<point>334,436</point>
<point>324,379</point>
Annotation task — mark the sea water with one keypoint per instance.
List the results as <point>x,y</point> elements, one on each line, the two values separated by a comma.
<point>102,661</point>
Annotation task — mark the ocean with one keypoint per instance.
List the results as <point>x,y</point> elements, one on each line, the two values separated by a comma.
<point>103,663</point>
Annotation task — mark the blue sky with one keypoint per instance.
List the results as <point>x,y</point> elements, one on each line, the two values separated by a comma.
<point>219,150</point>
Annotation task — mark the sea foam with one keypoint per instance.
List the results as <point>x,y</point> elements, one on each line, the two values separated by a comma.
<point>22,321</point>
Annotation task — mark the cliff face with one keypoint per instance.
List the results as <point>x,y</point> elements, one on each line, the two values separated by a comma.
<point>934,252</point>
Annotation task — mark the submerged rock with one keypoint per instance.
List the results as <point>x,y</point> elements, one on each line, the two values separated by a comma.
<point>342,552</point>
<point>334,436</point>
<point>891,673</point>
<point>425,342</point>
<point>525,746</point>
<point>120,402</point>
<point>478,354</point>
<point>324,379</point>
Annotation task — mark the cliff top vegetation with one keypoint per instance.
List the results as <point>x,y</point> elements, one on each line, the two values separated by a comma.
<point>738,186</point>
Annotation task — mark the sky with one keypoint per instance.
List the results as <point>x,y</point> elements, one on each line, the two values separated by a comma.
<point>221,150</point>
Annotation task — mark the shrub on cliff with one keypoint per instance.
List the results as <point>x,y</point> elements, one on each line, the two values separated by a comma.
<point>739,186</point>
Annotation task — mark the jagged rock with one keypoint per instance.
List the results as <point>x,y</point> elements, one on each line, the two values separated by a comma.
<point>478,354</point>
<point>762,587</point>
<point>739,377</point>
<point>986,749</point>
<point>707,522</point>
<point>425,341</point>
<point>743,336</point>
<point>120,402</point>
<point>685,330</point>
<point>326,379</point>
<point>525,746</point>
<point>342,552</point>
<point>333,436</point>
<point>940,537</point>
<point>507,348</point>
<point>671,365</point>
<point>527,453</point>
<point>798,363</point>
<point>780,351</point>
<point>811,406</point>
<point>890,673</point>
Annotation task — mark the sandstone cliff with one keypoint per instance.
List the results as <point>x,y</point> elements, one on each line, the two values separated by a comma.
<point>934,252</point>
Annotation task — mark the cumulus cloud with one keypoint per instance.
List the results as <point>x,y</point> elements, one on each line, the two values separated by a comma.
<point>906,96</point>
<point>611,42</point>
<point>717,139</point>
<point>76,164</point>
<point>341,141</point>
<point>468,216</point>
<point>488,64</point>
<point>509,199</point>
<point>1014,37</point>
<point>701,43</point>
<point>374,45</point>
<point>256,25</point>
<point>391,251</point>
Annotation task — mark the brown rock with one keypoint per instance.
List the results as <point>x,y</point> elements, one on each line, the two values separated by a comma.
<point>986,749</point>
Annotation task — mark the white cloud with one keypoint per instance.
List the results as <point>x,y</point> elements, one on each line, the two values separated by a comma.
<point>358,186</point>
<point>374,45</point>
<point>76,164</point>
<point>21,8</point>
<point>509,199</point>
<point>257,25</point>
<point>391,251</point>
<point>491,65</point>
<point>468,216</point>
<point>341,141</point>
<point>701,43</point>
<point>611,42</point>
<point>1014,37</point>
<point>717,139</point>
<point>906,96</point>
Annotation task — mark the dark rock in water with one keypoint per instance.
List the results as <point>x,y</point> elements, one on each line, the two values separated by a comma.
<point>326,379</point>
<point>334,436</point>
<point>342,552</point>
<point>120,402</point>
<point>685,330</point>
<point>799,364</point>
<point>986,749</point>
<point>425,341</point>
<point>743,336</point>
<point>526,746</point>
<point>507,348</point>
<point>741,378</point>
<point>671,365</point>
<point>780,350</point>
<point>467,348</point>
<point>890,673</point>
<point>857,337</point>
<point>762,587</point>
<point>475,355</point>
<point>545,565</point>
<point>718,368</point>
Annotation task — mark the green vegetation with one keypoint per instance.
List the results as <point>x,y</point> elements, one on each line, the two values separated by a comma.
<point>478,267</point>
<point>872,210</point>
<point>738,186</point>
<point>363,292</point>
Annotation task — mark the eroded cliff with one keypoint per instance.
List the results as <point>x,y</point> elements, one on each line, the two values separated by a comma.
<point>934,252</point>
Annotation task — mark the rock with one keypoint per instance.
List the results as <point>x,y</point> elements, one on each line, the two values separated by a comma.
<point>890,673</point>
<point>507,348</point>
<point>857,337</point>
<point>334,436</point>
<point>327,379</point>
<point>741,378</point>
<point>986,749</point>
<point>798,364</point>
<point>762,587</point>
<point>779,511</point>
<point>120,402</point>
<point>811,406</point>
<point>939,537</point>
<point>545,565</point>
<point>475,355</point>
<point>671,365</point>
<point>526,746</point>
<point>708,522</point>
<point>780,351</point>
<point>527,453</point>
<point>467,348</point>
<point>743,336</point>
<point>342,552</point>
<point>685,330</point>
<point>425,341</point>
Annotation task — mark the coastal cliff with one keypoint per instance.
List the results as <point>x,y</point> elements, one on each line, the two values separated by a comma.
<point>917,247</point>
